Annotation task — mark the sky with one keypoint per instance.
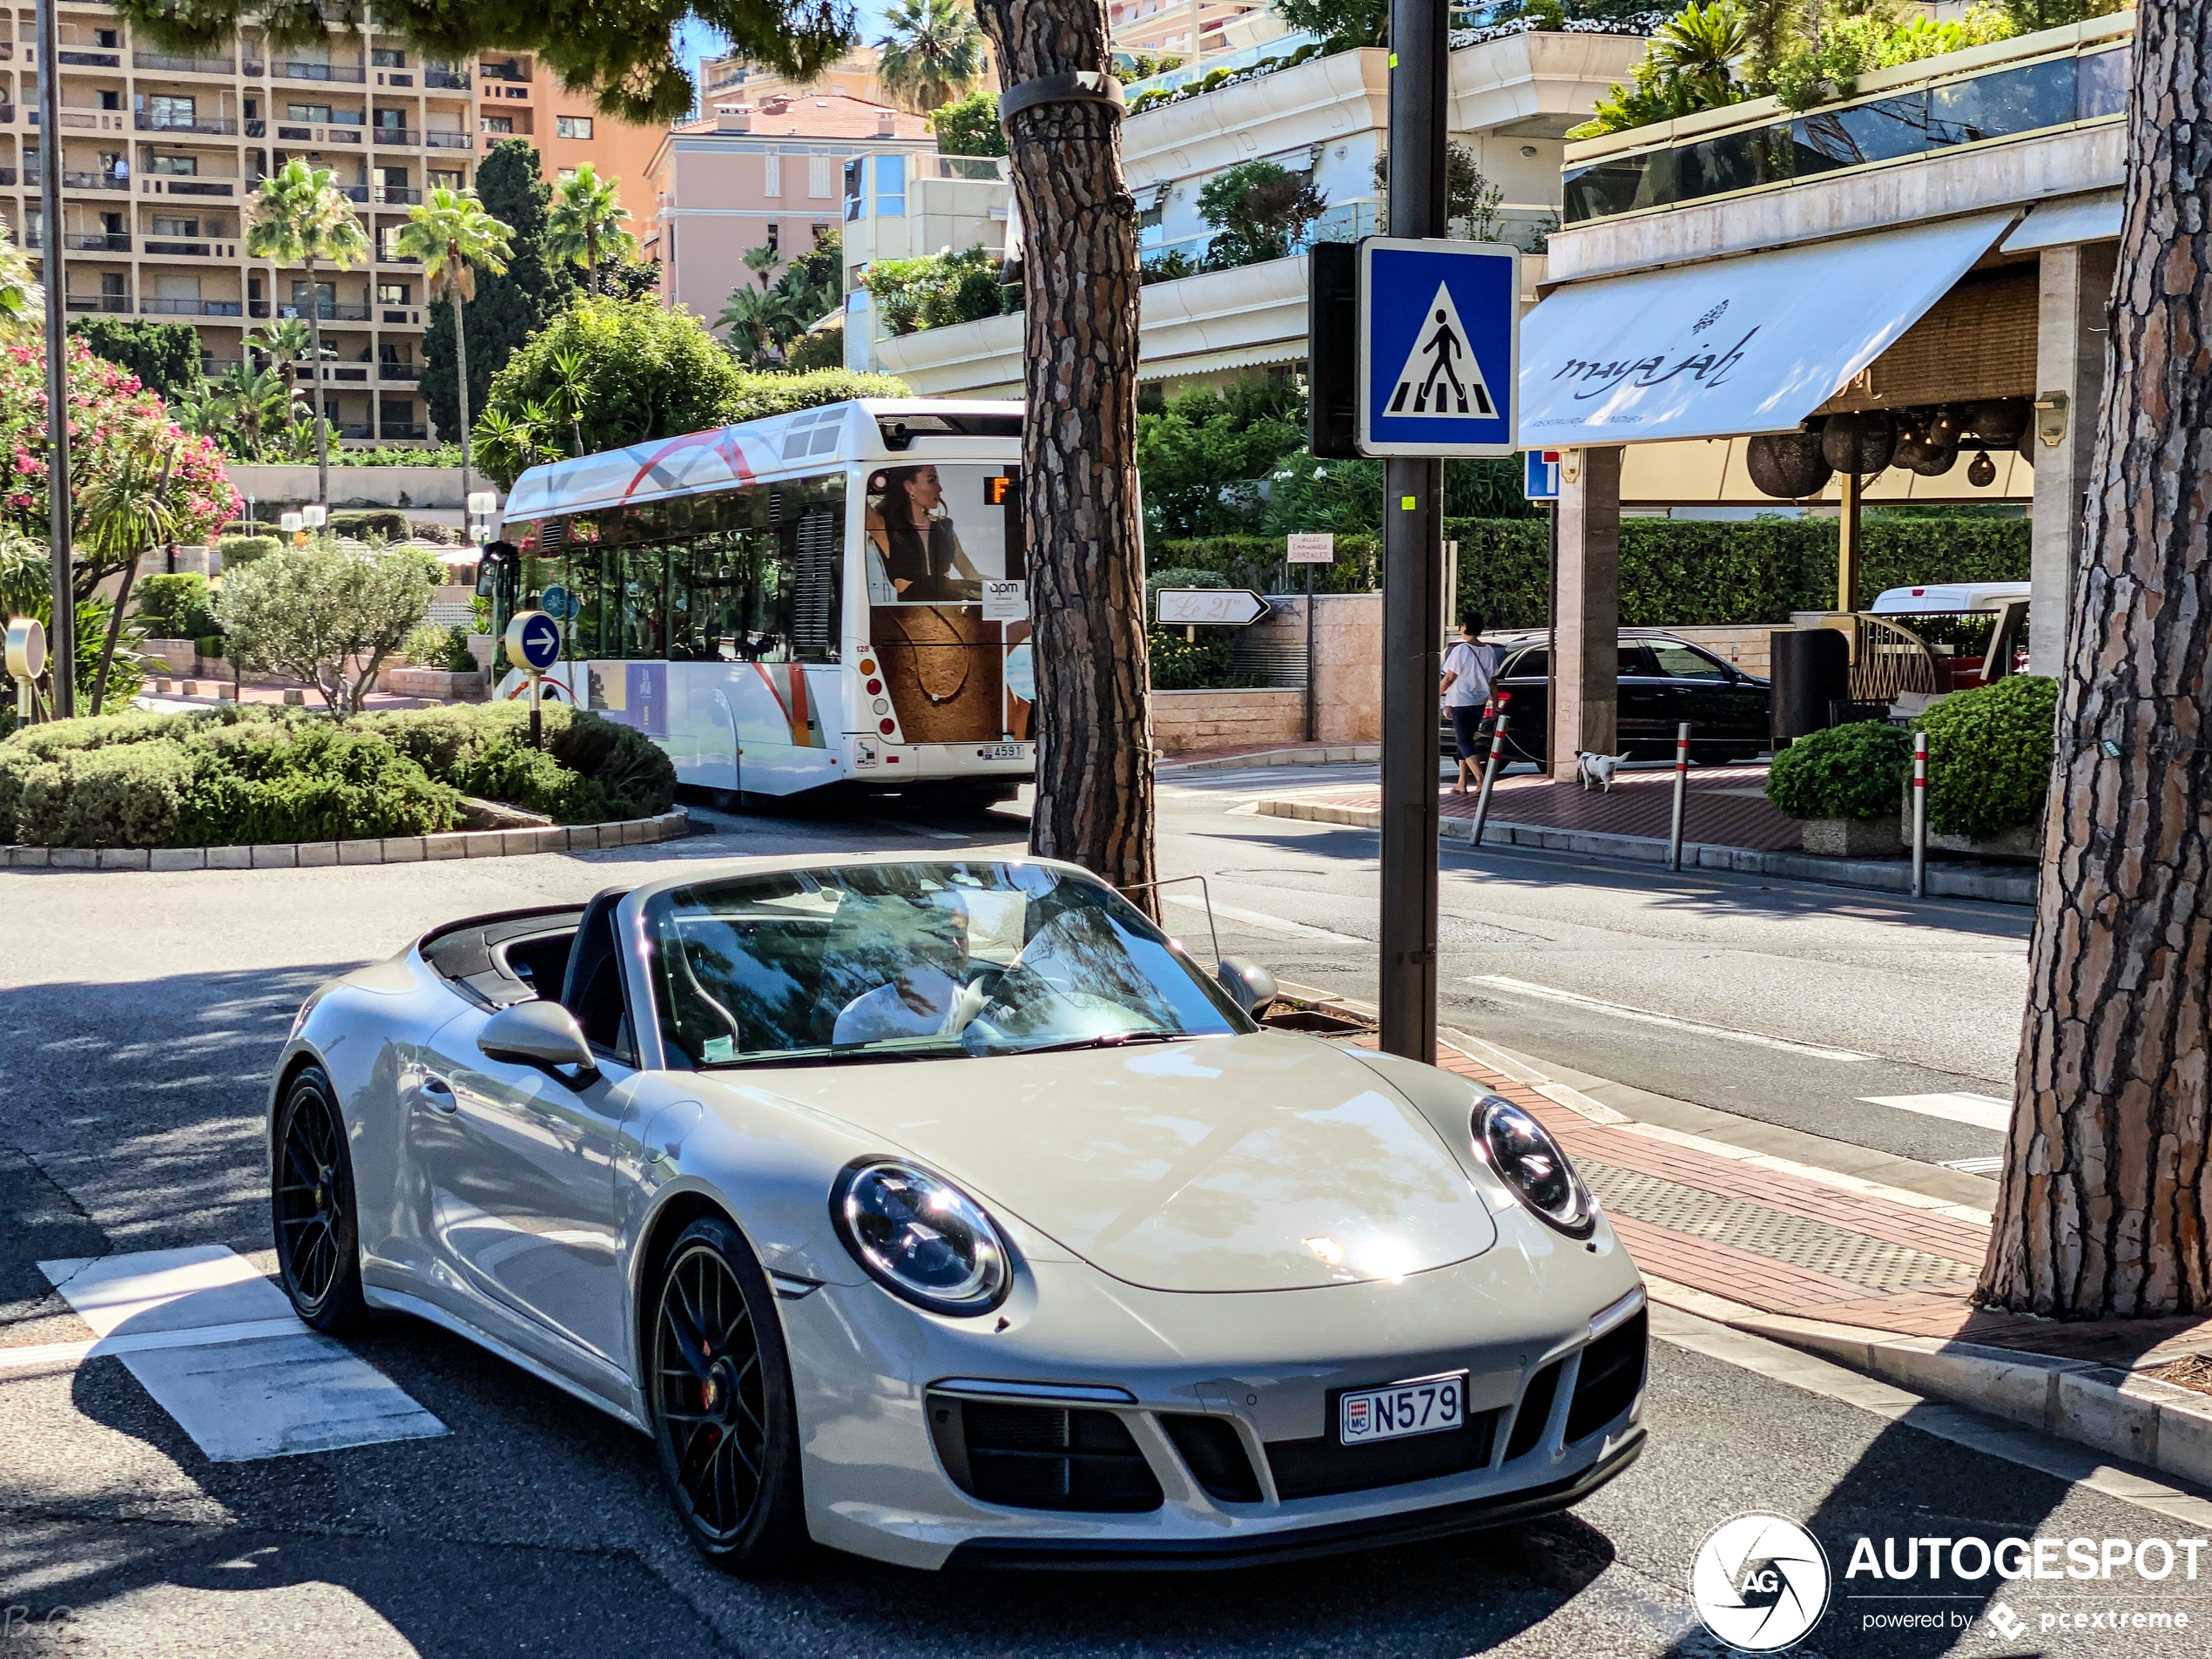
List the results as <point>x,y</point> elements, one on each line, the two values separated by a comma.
<point>697,40</point>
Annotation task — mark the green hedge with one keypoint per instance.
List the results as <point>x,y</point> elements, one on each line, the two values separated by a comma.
<point>1990,756</point>
<point>1687,573</point>
<point>1681,573</point>
<point>1855,770</point>
<point>232,775</point>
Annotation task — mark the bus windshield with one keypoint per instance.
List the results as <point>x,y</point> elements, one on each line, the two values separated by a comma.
<point>885,961</point>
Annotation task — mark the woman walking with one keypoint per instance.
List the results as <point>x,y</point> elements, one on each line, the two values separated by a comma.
<point>1469,666</point>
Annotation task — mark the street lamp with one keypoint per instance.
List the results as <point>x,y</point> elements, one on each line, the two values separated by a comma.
<point>482,503</point>
<point>313,516</point>
<point>291,524</point>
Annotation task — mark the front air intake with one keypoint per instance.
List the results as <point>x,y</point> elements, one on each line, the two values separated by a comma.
<point>1612,1377</point>
<point>1041,1457</point>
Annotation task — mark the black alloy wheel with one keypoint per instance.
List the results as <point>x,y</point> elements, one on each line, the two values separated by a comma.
<point>317,1239</point>
<point>720,1396</point>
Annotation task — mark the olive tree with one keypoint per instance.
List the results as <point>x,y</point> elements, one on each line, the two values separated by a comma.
<point>326,614</point>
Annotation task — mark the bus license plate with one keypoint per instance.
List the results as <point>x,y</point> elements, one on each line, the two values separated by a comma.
<point>1003,751</point>
<point>1425,1406</point>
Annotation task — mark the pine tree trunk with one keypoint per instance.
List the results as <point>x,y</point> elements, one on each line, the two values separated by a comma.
<point>1079,495</point>
<point>2103,1209</point>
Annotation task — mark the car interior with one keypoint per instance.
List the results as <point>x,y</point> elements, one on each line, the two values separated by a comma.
<point>558,954</point>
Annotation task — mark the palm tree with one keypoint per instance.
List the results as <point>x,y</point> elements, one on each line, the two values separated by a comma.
<point>573,383</point>
<point>301,218</point>
<point>932,53</point>
<point>1701,44</point>
<point>587,223</point>
<point>452,235</point>
<point>762,262</point>
<point>125,511</point>
<point>253,403</point>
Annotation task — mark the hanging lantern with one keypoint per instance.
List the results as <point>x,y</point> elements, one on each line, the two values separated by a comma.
<point>1981,471</point>
<point>1787,465</point>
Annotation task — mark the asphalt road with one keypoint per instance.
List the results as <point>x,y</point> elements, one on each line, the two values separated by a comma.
<point>138,1016</point>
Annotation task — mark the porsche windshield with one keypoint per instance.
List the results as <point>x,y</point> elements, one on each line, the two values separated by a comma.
<point>913,961</point>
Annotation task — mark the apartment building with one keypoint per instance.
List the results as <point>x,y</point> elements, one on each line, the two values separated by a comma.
<point>731,79</point>
<point>161,153</point>
<point>519,97</point>
<point>772,176</point>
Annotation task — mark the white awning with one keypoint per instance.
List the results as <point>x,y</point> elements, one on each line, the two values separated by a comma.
<point>1730,347</point>
<point>2078,218</point>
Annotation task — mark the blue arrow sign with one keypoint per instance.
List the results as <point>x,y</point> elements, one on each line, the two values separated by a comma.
<point>539,638</point>
<point>1540,476</point>
<point>1439,347</point>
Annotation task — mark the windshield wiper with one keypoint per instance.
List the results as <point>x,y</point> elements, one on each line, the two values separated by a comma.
<point>1109,1040</point>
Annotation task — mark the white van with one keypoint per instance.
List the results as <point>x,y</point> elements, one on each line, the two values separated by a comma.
<point>1936,598</point>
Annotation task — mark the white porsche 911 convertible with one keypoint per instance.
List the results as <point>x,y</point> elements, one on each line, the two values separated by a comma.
<point>948,1213</point>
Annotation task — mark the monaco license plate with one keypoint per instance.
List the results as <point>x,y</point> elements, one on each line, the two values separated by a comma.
<point>1424,1406</point>
<point>1003,751</point>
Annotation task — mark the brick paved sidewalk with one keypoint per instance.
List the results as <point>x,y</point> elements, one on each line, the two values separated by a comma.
<point>1725,806</point>
<point>1777,1239</point>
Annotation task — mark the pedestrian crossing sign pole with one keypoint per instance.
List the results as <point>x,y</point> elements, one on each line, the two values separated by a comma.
<point>1439,347</point>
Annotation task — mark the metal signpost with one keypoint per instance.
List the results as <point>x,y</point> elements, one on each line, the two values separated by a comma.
<point>1438,343</point>
<point>534,640</point>
<point>53,271</point>
<point>1311,548</point>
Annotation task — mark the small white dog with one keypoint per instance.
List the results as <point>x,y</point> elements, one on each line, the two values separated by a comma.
<point>1597,769</point>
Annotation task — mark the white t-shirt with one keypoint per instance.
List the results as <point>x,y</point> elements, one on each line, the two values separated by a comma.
<point>1476,666</point>
<point>884,1013</point>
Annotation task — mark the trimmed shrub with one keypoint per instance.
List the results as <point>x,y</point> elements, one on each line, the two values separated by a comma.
<point>1207,663</point>
<point>1846,772</point>
<point>210,647</point>
<point>244,549</point>
<point>360,523</point>
<point>590,771</point>
<point>174,607</point>
<point>435,645</point>
<point>1255,562</point>
<point>1989,756</point>
<point>119,795</point>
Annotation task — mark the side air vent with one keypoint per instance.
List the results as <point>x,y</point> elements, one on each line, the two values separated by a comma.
<point>1535,1411</point>
<point>1041,1457</point>
<point>1611,1378</point>
<point>1215,1453</point>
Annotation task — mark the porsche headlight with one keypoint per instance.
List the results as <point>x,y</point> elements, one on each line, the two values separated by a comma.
<point>920,1236</point>
<point>1522,1151</point>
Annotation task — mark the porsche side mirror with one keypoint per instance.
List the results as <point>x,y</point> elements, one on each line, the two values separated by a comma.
<point>1250,986</point>
<point>536,1034</point>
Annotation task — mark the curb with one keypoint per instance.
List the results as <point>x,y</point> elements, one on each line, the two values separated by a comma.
<point>2155,1424</point>
<point>1329,754</point>
<point>2006,887</point>
<point>406,849</point>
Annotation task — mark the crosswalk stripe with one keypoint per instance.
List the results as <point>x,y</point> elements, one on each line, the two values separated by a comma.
<point>1982,1111</point>
<point>218,1346</point>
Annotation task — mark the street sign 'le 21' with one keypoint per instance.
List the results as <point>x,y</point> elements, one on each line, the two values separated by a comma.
<point>1439,358</point>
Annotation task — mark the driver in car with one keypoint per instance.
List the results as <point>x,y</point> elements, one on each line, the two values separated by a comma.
<point>932,934</point>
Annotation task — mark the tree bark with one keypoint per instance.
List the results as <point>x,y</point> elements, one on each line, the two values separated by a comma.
<point>2103,1208</point>
<point>1079,498</point>
<point>460,386</point>
<point>114,633</point>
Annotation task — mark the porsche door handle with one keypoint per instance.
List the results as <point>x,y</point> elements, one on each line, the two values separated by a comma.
<point>437,1094</point>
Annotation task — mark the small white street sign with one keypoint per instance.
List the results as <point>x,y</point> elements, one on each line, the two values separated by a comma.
<point>1314,548</point>
<point>1220,607</point>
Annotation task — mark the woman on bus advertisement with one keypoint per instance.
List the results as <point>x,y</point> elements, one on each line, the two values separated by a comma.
<point>913,539</point>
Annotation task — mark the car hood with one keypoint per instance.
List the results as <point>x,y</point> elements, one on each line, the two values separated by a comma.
<point>1257,1162</point>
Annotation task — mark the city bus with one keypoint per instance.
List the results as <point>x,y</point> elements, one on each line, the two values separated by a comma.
<point>834,598</point>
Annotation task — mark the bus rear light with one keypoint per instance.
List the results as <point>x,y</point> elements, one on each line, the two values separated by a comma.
<point>875,688</point>
<point>887,727</point>
<point>868,664</point>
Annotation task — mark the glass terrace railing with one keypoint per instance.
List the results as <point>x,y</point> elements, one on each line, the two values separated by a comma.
<point>2006,101</point>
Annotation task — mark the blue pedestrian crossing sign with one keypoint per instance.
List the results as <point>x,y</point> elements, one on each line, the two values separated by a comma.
<point>1439,347</point>
<point>1540,475</point>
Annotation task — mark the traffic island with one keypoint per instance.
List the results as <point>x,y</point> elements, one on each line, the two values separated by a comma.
<point>403,849</point>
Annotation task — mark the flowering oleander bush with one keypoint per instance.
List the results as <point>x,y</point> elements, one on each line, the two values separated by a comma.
<point>111,415</point>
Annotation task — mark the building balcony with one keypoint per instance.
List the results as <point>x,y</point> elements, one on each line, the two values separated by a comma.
<point>318,134</point>
<point>394,195</point>
<point>288,71</point>
<point>399,371</point>
<point>169,64</point>
<point>165,247</point>
<point>88,60</point>
<point>111,304</point>
<point>436,140</point>
<point>7,178</point>
<point>212,124</point>
<point>329,311</point>
<point>94,181</point>
<point>396,138</point>
<point>191,307</point>
<point>95,242</point>
<point>446,80</point>
<point>177,185</point>
<point>353,429</point>
<point>333,374</point>
<point>405,431</point>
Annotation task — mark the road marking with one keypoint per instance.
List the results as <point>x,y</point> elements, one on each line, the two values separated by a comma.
<point>1983,1111</point>
<point>216,1345</point>
<point>2014,1443</point>
<point>1621,1011</point>
<point>1276,924</point>
<point>1974,1166</point>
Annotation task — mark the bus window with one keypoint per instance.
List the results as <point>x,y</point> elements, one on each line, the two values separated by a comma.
<point>937,533</point>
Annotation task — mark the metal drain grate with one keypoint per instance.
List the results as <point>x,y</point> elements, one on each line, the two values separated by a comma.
<point>1814,1245</point>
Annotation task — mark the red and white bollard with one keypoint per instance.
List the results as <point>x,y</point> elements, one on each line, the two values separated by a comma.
<point>1490,776</point>
<point>1919,814</point>
<point>1682,786</point>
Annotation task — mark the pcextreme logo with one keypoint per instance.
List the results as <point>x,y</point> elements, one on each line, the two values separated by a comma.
<point>1759,1581</point>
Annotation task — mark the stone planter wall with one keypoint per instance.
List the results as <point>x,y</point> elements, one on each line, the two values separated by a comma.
<point>434,683</point>
<point>1193,722</point>
<point>402,849</point>
<point>1848,837</point>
